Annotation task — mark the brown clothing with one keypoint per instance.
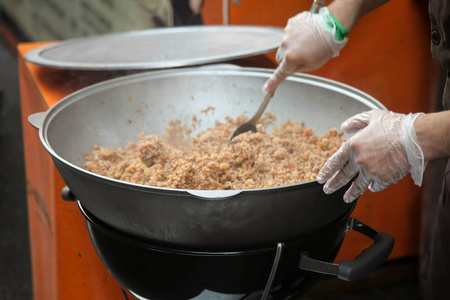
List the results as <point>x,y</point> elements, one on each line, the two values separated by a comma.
<point>440,39</point>
<point>438,278</point>
<point>437,285</point>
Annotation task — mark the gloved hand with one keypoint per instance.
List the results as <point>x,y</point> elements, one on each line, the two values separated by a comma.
<point>383,150</point>
<point>308,44</point>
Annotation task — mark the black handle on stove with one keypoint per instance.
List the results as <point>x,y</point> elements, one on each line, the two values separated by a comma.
<point>366,262</point>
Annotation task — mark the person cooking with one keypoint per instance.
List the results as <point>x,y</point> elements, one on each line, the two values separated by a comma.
<point>386,145</point>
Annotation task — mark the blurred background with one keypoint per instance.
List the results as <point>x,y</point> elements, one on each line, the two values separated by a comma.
<point>48,20</point>
<point>387,56</point>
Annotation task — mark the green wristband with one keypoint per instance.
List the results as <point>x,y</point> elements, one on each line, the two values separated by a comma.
<point>340,32</point>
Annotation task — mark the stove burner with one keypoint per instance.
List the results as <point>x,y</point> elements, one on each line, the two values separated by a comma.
<point>158,272</point>
<point>151,271</point>
<point>206,295</point>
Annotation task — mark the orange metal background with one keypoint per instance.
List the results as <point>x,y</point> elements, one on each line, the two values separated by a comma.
<point>387,56</point>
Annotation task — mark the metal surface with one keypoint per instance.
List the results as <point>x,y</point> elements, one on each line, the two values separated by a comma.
<point>318,266</point>
<point>273,271</point>
<point>250,125</point>
<point>158,48</point>
<point>316,5</point>
<point>225,12</point>
<point>116,111</point>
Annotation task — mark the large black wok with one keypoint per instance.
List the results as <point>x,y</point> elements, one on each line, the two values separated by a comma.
<point>114,112</point>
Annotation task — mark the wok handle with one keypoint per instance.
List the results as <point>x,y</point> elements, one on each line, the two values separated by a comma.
<point>369,259</point>
<point>37,119</point>
<point>67,194</point>
<point>214,194</point>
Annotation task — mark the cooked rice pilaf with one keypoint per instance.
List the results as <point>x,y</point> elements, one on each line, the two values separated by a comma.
<point>291,154</point>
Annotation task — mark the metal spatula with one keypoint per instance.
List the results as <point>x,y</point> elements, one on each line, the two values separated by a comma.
<point>250,125</point>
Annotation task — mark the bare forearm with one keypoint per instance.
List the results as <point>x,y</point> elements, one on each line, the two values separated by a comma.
<point>348,12</point>
<point>433,134</point>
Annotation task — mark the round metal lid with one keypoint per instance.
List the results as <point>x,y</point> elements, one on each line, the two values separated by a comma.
<point>158,48</point>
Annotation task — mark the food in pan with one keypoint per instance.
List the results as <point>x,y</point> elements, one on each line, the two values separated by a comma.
<point>291,154</point>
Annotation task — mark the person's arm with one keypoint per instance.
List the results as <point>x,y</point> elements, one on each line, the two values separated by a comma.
<point>433,134</point>
<point>348,12</point>
<point>308,43</point>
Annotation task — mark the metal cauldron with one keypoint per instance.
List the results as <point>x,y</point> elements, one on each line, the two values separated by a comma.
<point>114,112</point>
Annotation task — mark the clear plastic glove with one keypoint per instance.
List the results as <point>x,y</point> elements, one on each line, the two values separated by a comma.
<point>308,44</point>
<point>383,150</point>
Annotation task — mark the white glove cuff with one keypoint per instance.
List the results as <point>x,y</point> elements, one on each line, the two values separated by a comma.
<point>329,34</point>
<point>411,145</point>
